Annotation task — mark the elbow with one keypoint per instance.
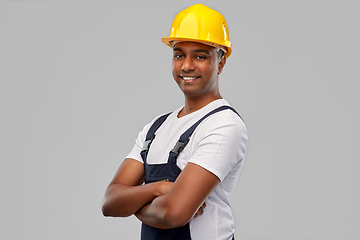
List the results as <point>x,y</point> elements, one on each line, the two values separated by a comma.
<point>109,211</point>
<point>106,211</point>
<point>107,208</point>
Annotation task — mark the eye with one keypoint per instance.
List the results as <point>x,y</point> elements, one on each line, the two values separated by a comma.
<point>178,55</point>
<point>200,57</point>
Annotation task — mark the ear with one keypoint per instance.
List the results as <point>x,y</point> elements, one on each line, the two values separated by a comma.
<point>222,62</point>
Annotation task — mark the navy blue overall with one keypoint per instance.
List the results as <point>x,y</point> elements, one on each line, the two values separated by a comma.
<point>168,172</point>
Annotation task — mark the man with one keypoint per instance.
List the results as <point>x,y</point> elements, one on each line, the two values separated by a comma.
<point>190,159</point>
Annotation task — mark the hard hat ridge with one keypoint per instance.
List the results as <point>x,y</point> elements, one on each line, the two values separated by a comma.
<point>199,23</point>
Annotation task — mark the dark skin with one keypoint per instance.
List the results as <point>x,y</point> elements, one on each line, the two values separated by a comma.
<point>201,61</point>
<point>196,68</point>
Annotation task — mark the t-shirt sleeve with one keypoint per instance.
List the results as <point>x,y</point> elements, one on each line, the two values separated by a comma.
<point>139,142</point>
<point>219,144</point>
<point>136,150</point>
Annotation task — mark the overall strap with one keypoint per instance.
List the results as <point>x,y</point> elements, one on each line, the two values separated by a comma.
<point>151,135</point>
<point>185,137</point>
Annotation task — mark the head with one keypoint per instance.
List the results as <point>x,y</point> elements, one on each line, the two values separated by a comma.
<point>199,37</point>
<point>196,68</point>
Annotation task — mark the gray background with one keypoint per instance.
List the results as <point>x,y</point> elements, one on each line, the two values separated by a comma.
<point>79,79</point>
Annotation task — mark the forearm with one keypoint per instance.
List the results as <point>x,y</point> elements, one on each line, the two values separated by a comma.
<point>122,200</point>
<point>184,201</point>
<point>154,214</point>
<point>161,213</point>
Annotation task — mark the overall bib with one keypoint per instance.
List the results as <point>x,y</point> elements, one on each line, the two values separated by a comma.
<point>168,172</point>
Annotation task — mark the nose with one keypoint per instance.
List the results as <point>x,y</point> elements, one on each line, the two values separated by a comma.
<point>188,64</point>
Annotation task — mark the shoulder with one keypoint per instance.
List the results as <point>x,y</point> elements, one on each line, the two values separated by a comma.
<point>224,128</point>
<point>227,119</point>
<point>219,143</point>
<point>223,113</point>
<point>158,120</point>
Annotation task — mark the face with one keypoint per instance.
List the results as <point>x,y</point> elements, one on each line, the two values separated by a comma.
<point>196,68</point>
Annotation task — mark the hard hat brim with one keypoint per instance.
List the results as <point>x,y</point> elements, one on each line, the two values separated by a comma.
<point>169,40</point>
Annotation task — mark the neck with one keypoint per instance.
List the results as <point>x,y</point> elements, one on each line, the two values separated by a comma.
<point>193,104</point>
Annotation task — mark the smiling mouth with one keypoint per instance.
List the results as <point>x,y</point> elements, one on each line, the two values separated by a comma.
<point>188,79</point>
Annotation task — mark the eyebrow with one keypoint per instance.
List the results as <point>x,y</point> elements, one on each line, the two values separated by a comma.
<point>199,50</point>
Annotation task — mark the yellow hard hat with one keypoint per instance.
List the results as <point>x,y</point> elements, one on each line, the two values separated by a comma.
<point>199,23</point>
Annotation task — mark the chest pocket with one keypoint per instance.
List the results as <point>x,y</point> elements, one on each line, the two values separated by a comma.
<point>168,172</point>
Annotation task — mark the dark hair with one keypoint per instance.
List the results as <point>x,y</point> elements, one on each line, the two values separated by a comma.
<point>220,53</point>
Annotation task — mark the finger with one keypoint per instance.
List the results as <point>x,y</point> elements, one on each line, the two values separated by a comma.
<point>200,211</point>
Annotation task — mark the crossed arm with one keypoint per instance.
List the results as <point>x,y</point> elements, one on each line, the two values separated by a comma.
<point>159,204</point>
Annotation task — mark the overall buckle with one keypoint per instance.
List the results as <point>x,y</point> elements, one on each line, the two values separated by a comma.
<point>179,146</point>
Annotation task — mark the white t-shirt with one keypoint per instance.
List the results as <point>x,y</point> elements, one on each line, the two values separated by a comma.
<point>218,144</point>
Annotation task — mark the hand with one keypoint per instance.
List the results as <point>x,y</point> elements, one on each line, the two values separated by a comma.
<point>200,211</point>
<point>163,187</point>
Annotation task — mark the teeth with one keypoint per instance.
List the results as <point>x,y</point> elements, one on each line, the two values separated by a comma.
<point>189,78</point>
